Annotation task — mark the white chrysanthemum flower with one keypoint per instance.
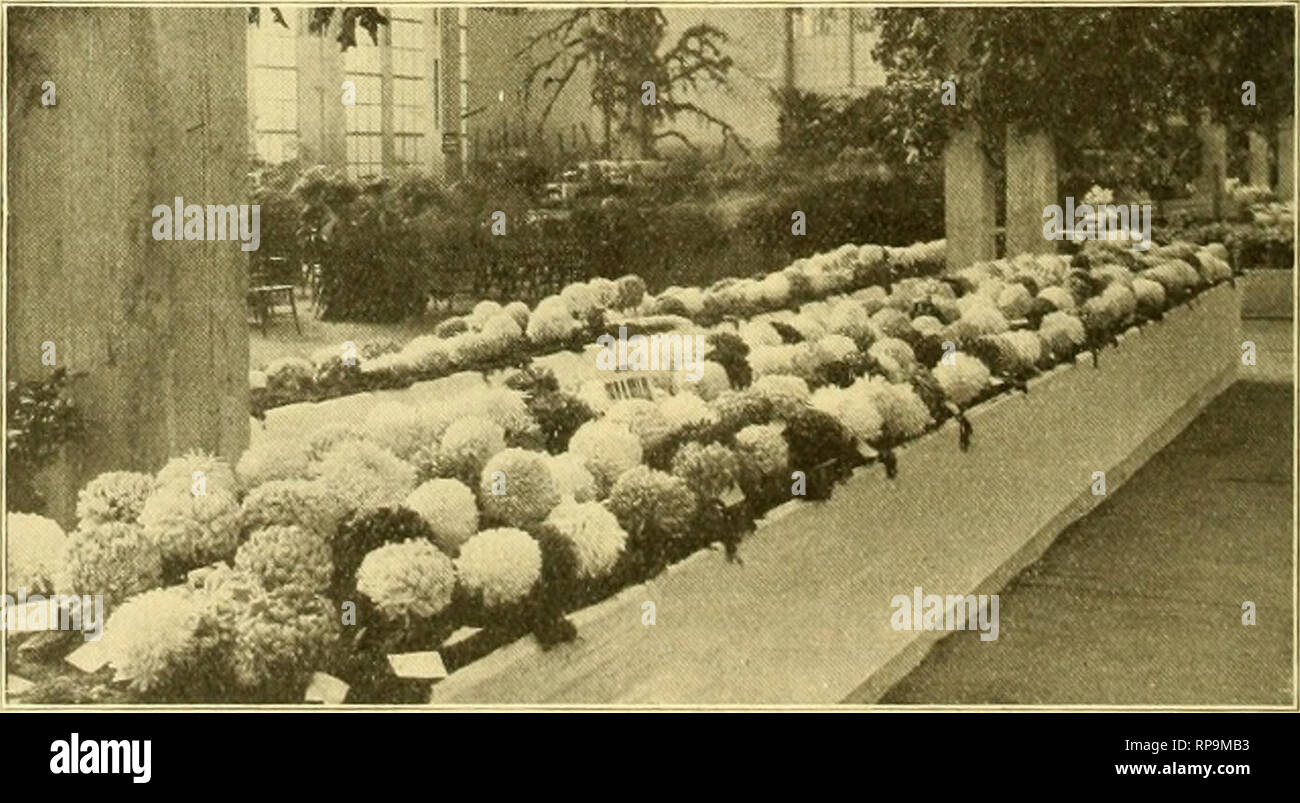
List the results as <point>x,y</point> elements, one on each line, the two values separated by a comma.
<point>501,566</point>
<point>329,436</point>
<point>579,300</point>
<point>593,533</point>
<point>1015,301</point>
<point>782,359</point>
<point>427,353</point>
<point>1150,296</point>
<point>412,579</point>
<point>192,530</point>
<point>835,347</point>
<point>808,327</point>
<point>35,549</point>
<point>282,555</point>
<point>962,379</point>
<point>281,459</point>
<point>758,334</point>
<point>1058,297</point>
<point>1214,268</point>
<point>1114,274</point>
<point>685,410</point>
<point>593,394</point>
<point>300,503</point>
<point>849,318</point>
<point>788,394</point>
<point>605,291</point>
<point>519,311</point>
<point>572,479</point>
<point>184,471</point>
<point>892,323</point>
<point>517,488</point>
<point>467,445</point>
<point>856,411</point>
<point>774,290</point>
<point>642,418</point>
<point>364,475</point>
<point>1062,333</point>
<point>502,332</point>
<point>979,319</point>
<point>502,406</point>
<point>871,298</point>
<point>400,428</point>
<point>114,496</point>
<point>483,312</point>
<point>765,445</point>
<point>893,353</point>
<point>903,414</point>
<point>449,508</point>
<point>289,373</point>
<point>1027,347</point>
<point>927,325</point>
<point>111,558</point>
<point>1119,301</point>
<point>551,327</point>
<point>150,637</point>
<point>608,449</point>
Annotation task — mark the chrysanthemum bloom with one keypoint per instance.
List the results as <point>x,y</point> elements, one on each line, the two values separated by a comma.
<point>1120,301</point>
<point>647,501</point>
<point>962,379</point>
<point>282,556</point>
<point>710,471</point>
<point>466,447</point>
<point>832,348</point>
<point>579,300</point>
<point>849,318</point>
<point>519,311</point>
<point>280,638</point>
<point>504,407</point>
<point>517,489</point>
<point>289,374</point>
<point>607,449</point>
<point>182,472</point>
<point>483,312</point>
<point>34,546</point>
<point>551,327</point>
<point>872,299</point>
<point>757,334</point>
<point>765,447</point>
<point>737,409</point>
<point>592,534</point>
<point>892,322</point>
<point>1150,297</point>
<point>281,459</point>
<point>686,410</point>
<point>300,503</point>
<point>449,508</point>
<point>979,319</point>
<point>1113,274</point>
<point>151,638</point>
<point>893,355</point>
<point>407,580</point>
<point>857,411</point>
<point>903,414</point>
<point>1014,300</point>
<point>572,479</point>
<point>428,354</point>
<point>1058,297</point>
<point>1062,333</point>
<point>110,558</point>
<point>114,496</point>
<point>641,417</point>
<point>191,530</point>
<point>363,474</point>
<point>788,394</point>
<point>329,436</point>
<point>400,428</point>
<point>712,381</point>
<point>499,566</point>
<point>605,291</point>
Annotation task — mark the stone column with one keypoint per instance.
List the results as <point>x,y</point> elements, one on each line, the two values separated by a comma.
<point>1214,165</point>
<point>151,105</point>
<point>1257,161</point>
<point>969,199</point>
<point>1031,187</point>
<point>1286,158</point>
<point>969,193</point>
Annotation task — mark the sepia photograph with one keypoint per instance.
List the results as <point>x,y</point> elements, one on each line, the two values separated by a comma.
<point>705,357</point>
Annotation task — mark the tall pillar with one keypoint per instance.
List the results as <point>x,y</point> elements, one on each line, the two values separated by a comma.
<point>1214,164</point>
<point>151,105</point>
<point>1286,158</point>
<point>969,199</point>
<point>1257,160</point>
<point>969,193</point>
<point>1031,187</point>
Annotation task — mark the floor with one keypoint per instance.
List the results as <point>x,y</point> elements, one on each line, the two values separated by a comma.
<point>1141,601</point>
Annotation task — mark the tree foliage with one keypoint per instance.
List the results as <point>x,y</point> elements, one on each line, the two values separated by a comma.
<point>621,49</point>
<point>368,18</point>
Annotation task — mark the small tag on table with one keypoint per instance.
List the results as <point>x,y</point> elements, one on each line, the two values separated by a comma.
<point>418,665</point>
<point>19,686</point>
<point>460,635</point>
<point>326,688</point>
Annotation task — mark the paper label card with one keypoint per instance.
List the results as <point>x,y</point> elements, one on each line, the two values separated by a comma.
<point>418,665</point>
<point>326,688</point>
<point>88,658</point>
